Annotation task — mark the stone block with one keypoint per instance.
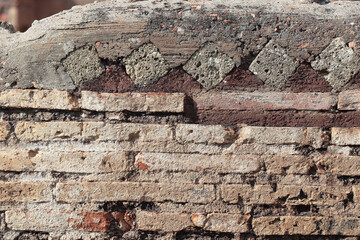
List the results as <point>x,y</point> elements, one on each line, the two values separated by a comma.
<point>338,165</point>
<point>133,102</point>
<point>164,222</point>
<point>273,65</point>
<point>4,130</point>
<point>83,65</point>
<point>25,192</point>
<point>38,99</point>
<point>349,100</point>
<point>134,191</point>
<point>210,134</point>
<point>338,63</point>
<point>145,65</point>
<point>197,162</point>
<point>233,223</point>
<point>345,136</point>
<point>288,164</point>
<point>209,66</point>
<point>48,131</point>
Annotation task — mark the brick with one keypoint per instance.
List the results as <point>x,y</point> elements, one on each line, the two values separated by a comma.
<point>75,162</point>
<point>48,131</point>
<point>240,148</point>
<point>349,100</point>
<point>25,192</point>
<point>165,222</point>
<point>284,194</point>
<point>211,134</point>
<point>292,225</point>
<point>198,162</point>
<point>288,164</point>
<point>264,101</point>
<point>4,130</point>
<point>127,132</point>
<point>37,220</point>
<point>281,135</point>
<point>356,190</point>
<point>338,164</point>
<point>345,136</point>
<point>235,223</point>
<point>133,102</point>
<point>38,99</point>
<point>132,191</point>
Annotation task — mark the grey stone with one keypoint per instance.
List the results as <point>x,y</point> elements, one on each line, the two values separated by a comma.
<point>338,63</point>
<point>145,65</point>
<point>209,66</point>
<point>83,65</point>
<point>273,66</point>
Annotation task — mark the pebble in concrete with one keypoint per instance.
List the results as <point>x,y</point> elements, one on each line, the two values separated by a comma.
<point>83,65</point>
<point>338,63</point>
<point>273,66</point>
<point>145,65</point>
<point>209,66</point>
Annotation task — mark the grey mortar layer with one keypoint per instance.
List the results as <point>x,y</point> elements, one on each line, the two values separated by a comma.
<point>240,29</point>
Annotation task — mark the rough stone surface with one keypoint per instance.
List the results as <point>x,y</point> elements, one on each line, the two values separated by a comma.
<point>134,102</point>
<point>235,223</point>
<point>338,62</point>
<point>25,192</point>
<point>209,66</point>
<point>145,65</point>
<point>273,65</point>
<point>349,100</point>
<point>83,65</point>
<point>345,136</point>
<point>4,130</point>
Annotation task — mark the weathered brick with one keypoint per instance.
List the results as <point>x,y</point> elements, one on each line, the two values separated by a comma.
<point>235,223</point>
<point>293,225</point>
<point>38,99</point>
<point>345,136</point>
<point>198,162</point>
<point>25,192</point>
<point>211,134</point>
<point>281,135</point>
<point>4,130</point>
<point>356,191</point>
<point>132,191</point>
<point>80,162</point>
<point>240,148</point>
<point>288,164</point>
<point>48,131</point>
<point>338,164</point>
<point>134,102</point>
<point>349,100</point>
<point>37,220</point>
<point>166,222</point>
<point>264,101</point>
<point>127,132</point>
<point>284,194</point>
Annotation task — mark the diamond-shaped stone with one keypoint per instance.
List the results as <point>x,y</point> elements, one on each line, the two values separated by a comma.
<point>338,63</point>
<point>273,66</point>
<point>145,65</point>
<point>209,66</point>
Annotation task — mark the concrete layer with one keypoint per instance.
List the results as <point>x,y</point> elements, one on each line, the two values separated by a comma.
<point>178,29</point>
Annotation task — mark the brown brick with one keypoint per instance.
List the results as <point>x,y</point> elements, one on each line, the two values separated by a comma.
<point>127,132</point>
<point>345,136</point>
<point>284,194</point>
<point>211,134</point>
<point>37,220</point>
<point>134,102</point>
<point>4,130</point>
<point>338,164</point>
<point>198,162</point>
<point>288,164</point>
<point>25,192</point>
<point>38,99</point>
<point>349,100</point>
<point>80,162</point>
<point>92,221</point>
<point>48,131</point>
<point>165,222</point>
<point>132,191</point>
<point>235,223</point>
<point>265,101</point>
<point>292,225</point>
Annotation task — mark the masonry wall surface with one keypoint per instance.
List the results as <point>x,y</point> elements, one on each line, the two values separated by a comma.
<point>182,120</point>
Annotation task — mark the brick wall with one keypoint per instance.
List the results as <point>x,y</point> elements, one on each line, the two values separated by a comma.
<point>199,120</point>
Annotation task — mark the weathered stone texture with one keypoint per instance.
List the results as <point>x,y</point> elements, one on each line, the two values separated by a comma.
<point>164,222</point>
<point>25,192</point>
<point>273,65</point>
